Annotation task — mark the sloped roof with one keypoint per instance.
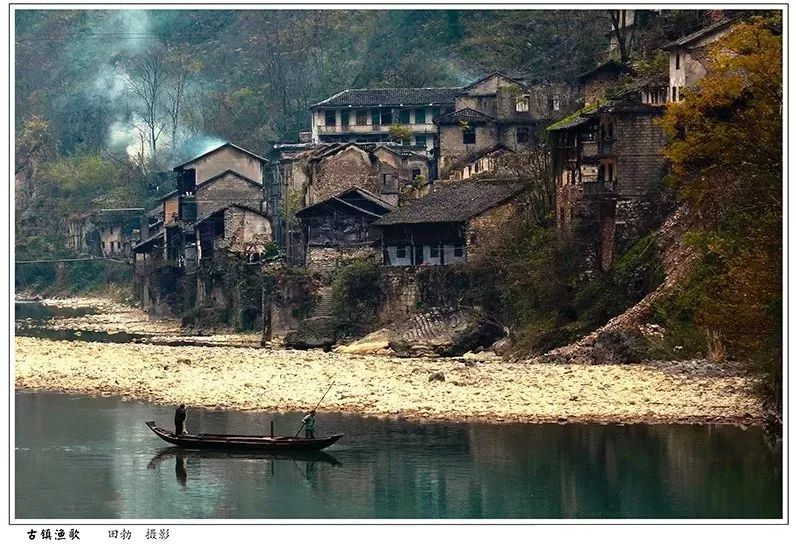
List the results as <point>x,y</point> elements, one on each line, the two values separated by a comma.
<point>146,245</point>
<point>225,145</point>
<point>424,96</point>
<point>231,205</point>
<point>234,173</point>
<point>168,195</point>
<point>701,33</point>
<point>355,198</point>
<point>466,115</point>
<point>608,66</point>
<point>579,117</point>
<point>453,202</point>
<point>492,75</point>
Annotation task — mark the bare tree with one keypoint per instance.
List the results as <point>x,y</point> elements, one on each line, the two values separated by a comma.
<point>623,33</point>
<point>147,81</point>
<point>533,165</point>
<point>179,69</point>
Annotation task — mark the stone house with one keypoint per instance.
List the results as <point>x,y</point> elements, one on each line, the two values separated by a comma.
<point>227,157</point>
<point>302,175</point>
<point>105,232</point>
<point>233,228</point>
<point>338,229</point>
<point>367,115</point>
<point>448,224</point>
<point>218,204</point>
<point>688,56</point>
<point>595,83</point>
<point>607,166</point>
<point>497,111</point>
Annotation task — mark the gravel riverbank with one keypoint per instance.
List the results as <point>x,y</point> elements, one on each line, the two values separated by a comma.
<point>282,380</point>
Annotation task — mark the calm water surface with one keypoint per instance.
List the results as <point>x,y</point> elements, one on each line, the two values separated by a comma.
<point>79,457</point>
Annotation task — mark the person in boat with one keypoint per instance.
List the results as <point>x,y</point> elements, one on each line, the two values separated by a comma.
<point>179,420</point>
<point>309,424</point>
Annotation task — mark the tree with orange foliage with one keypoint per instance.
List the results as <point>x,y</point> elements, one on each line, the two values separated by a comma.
<point>726,156</point>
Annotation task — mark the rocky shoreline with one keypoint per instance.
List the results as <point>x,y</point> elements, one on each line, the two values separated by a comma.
<point>476,387</point>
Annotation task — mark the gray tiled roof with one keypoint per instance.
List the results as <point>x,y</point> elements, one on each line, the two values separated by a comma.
<point>453,202</point>
<point>355,197</point>
<point>392,97</point>
<point>694,36</point>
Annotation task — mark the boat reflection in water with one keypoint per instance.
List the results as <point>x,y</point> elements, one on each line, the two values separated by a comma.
<point>181,457</point>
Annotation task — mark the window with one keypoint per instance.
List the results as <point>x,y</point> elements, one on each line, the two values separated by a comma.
<point>677,62</point>
<point>523,135</point>
<point>458,251</point>
<point>362,117</point>
<point>610,177</point>
<point>420,115</point>
<point>400,252</point>
<point>521,104</point>
<point>403,116</point>
<point>554,103</point>
<point>468,135</point>
<point>420,140</point>
<point>386,116</point>
<point>331,118</point>
<point>344,118</point>
<point>433,251</point>
<point>674,93</point>
<point>610,131</point>
<point>375,117</point>
<point>416,173</point>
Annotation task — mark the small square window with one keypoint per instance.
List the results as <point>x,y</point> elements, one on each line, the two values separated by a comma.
<point>434,251</point>
<point>416,172</point>
<point>521,104</point>
<point>400,252</point>
<point>420,115</point>
<point>362,117</point>
<point>403,117</point>
<point>420,140</point>
<point>331,118</point>
<point>468,135</point>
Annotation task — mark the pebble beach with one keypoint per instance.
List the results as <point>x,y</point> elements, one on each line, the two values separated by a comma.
<point>476,387</point>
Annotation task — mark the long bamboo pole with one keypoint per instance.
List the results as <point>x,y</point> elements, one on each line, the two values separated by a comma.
<point>316,406</point>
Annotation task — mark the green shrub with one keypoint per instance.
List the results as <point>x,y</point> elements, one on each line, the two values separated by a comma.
<point>356,294</point>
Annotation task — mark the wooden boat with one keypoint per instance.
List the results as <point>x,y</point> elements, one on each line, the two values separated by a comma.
<point>262,443</point>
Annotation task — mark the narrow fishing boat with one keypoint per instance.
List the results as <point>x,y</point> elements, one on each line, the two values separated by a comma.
<point>262,443</point>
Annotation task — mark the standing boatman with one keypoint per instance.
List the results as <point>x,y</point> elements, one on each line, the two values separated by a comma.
<point>179,420</point>
<point>309,424</point>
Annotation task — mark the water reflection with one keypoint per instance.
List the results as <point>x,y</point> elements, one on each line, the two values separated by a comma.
<point>383,468</point>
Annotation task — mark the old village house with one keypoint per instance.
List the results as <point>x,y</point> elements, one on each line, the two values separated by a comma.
<point>494,113</point>
<point>218,204</point>
<point>105,232</point>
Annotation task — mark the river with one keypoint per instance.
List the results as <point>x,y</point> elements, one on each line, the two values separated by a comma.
<point>81,457</point>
